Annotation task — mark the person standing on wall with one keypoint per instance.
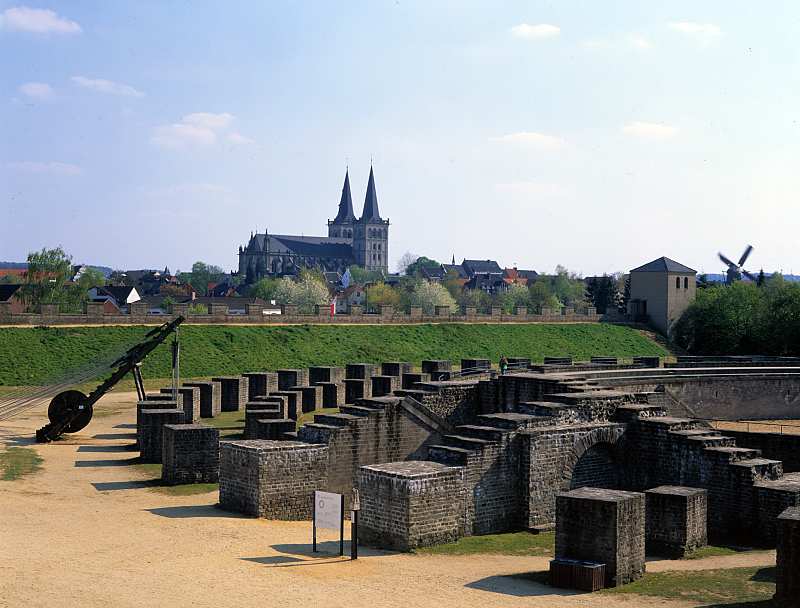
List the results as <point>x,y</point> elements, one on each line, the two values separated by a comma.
<point>503,365</point>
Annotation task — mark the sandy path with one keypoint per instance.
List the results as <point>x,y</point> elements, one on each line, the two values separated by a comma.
<point>85,532</point>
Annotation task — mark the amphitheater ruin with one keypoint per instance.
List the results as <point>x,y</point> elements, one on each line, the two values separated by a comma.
<point>620,459</point>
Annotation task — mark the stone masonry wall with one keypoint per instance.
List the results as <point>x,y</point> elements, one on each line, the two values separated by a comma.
<point>190,454</point>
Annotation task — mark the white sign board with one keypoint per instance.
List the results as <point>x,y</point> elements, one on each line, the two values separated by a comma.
<point>327,510</point>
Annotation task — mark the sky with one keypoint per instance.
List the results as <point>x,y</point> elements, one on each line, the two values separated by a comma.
<point>595,135</point>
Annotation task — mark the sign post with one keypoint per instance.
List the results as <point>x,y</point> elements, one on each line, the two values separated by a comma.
<point>328,513</point>
<point>355,507</point>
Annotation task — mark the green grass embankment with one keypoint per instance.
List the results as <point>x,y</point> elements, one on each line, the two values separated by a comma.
<point>30,356</point>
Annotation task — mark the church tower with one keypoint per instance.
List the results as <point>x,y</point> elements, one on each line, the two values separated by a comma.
<point>342,225</point>
<point>371,236</point>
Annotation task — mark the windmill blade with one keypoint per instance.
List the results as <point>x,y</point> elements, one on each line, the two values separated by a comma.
<point>750,276</point>
<point>726,260</point>
<point>745,255</point>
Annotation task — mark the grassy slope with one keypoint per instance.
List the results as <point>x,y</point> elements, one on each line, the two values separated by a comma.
<point>35,355</point>
<point>16,462</point>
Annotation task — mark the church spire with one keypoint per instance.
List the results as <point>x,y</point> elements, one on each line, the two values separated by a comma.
<point>371,201</point>
<point>345,214</point>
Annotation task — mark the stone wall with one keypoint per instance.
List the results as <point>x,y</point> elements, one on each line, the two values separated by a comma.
<point>785,448</point>
<point>209,398</point>
<point>787,589</point>
<point>676,522</point>
<point>151,428</point>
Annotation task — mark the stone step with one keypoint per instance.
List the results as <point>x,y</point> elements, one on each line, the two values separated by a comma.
<point>672,424</point>
<point>762,468</point>
<point>357,410</point>
<point>450,455</point>
<point>414,393</point>
<point>490,433</point>
<point>632,411</point>
<point>338,420</point>
<point>731,454</point>
<point>712,441</point>
<point>544,408</point>
<point>513,420</point>
<point>468,443</point>
<point>290,436</point>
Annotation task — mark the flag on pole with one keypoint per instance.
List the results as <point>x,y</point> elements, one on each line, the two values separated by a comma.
<point>333,306</point>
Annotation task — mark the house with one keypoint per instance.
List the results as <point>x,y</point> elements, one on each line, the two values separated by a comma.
<point>514,276</point>
<point>11,294</point>
<point>119,297</point>
<point>660,292</point>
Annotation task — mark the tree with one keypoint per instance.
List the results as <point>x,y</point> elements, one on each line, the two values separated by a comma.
<point>362,276</point>
<point>91,277</point>
<point>603,293</point>
<point>167,304</point>
<point>405,261</point>
<point>761,278</point>
<point>305,293</point>
<point>478,298</point>
<point>415,268</point>
<point>46,281</point>
<point>514,297</point>
<point>381,294</point>
<point>264,289</point>
<point>201,275</point>
<point>541,296</point>
<point>429,295</point>
<point>568,287</point>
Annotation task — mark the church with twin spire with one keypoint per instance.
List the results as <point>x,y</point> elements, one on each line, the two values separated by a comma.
<point>362,241</point>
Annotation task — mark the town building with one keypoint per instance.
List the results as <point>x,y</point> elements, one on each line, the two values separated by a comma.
<point>362,241</point>
<point>660,292</point>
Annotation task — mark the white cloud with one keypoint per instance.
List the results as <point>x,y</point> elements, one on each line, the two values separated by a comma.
<point>206,120</point>
<point>704,32</point>
<point>239,139</point>
<point>108,87</point>
<point>649,130</point>
<point>37,21</point>
<point>197,129</point>
<point>53,168</point>
<point>540,30</point>
<point>36,90</point>
<point>531,138</point>
<point>533,189</point>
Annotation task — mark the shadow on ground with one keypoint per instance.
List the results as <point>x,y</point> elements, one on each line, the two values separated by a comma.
<point>189,511</point>
<point>108,463</point>
<point>110,486</point>
<point>524,584</point>
<point>107,448</point>
<point>114,436</point>
<point>762,604</point>
<point>125,426</point>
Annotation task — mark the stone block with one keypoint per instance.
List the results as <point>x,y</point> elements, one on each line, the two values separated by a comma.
<point>153,402</point>
<point>360,371</point>
<point>151,431</point>
<point>519,362</point>
<point>189,402</point>
<point>251,416</point>
<point>475,364</point>
<point>209,398</point>
<point>384,385</point>
<point>310,397</point>
<point>443,311</point>
<point>233,392</point>
<point>395,368</point>
<point>355,389</point>
<point>261,383</point>
<point>405,505</point>
<point>271,479</point>
<point>332,394</point>
<point>292,377</point>
<point>415,312</point>
<point>320,373</point>
<point>294,403</point>
<point>190,454</point>
<point>409,381</point>
<point>676,520</point>
<point>603,526</point>
<point>787,579</point>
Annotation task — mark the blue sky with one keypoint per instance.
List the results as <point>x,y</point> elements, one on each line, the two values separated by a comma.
<point>597,135</point>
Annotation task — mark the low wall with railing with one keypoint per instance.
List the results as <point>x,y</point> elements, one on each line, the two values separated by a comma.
<point>140,314</point>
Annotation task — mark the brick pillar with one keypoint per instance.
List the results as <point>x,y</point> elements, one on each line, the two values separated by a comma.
<point>787,590</point>
<point>386,311</point>
<point>356,310</point>
<point>415,312</point>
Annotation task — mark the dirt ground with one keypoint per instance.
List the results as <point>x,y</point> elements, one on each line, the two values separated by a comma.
<point>87,531</point>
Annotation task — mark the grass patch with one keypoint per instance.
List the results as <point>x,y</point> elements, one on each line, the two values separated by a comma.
<point>717,551</point>
<point>17,462</point>
<point>38,355</point>
<point>513,543</point>
<point>153,471</point>
<point>734,585</point>
<point>309,416</point>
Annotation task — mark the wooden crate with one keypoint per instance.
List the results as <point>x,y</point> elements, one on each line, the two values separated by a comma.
<point>576,574</point>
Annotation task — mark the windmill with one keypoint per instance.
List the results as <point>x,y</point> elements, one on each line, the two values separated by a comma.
<point>735,271</point>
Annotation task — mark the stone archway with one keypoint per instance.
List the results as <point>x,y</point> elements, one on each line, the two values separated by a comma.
<point>595,461</point>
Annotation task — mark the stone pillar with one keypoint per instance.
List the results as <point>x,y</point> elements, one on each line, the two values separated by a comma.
<point>180,310</point>
<point>254,310</point>
<point>520,311</point>
<point>386,311</point>
<point>475,364</point>
<point>591,311</point>
<point>190,454</point>
<point>415,312</point>
<point>324,373</point>
<point>405,505</point>
<point>5,312</point>
<point>138,309</point>
<point>497,312</point>
<point>409,381</point>
<point>188,400</point>
<point>261,383</point>
<point>289,310</point>
<point>233,392</point>
<point>443,311</point>
<point>438,369</point>
<point>470,312</point>
<point>218,311</point>
<point>209,397</point>
<point>356,310</point>
<point>395,368</point>
<point>94,311</point>
<point>787,589</point>
<point>676,520</point>
<point>384,385</point>
<point>546,312</point>
<point>604,526</point>
<point>356,388</point>
<point>332,393</point>
<point>288,378</point>
<point>360,371</point>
